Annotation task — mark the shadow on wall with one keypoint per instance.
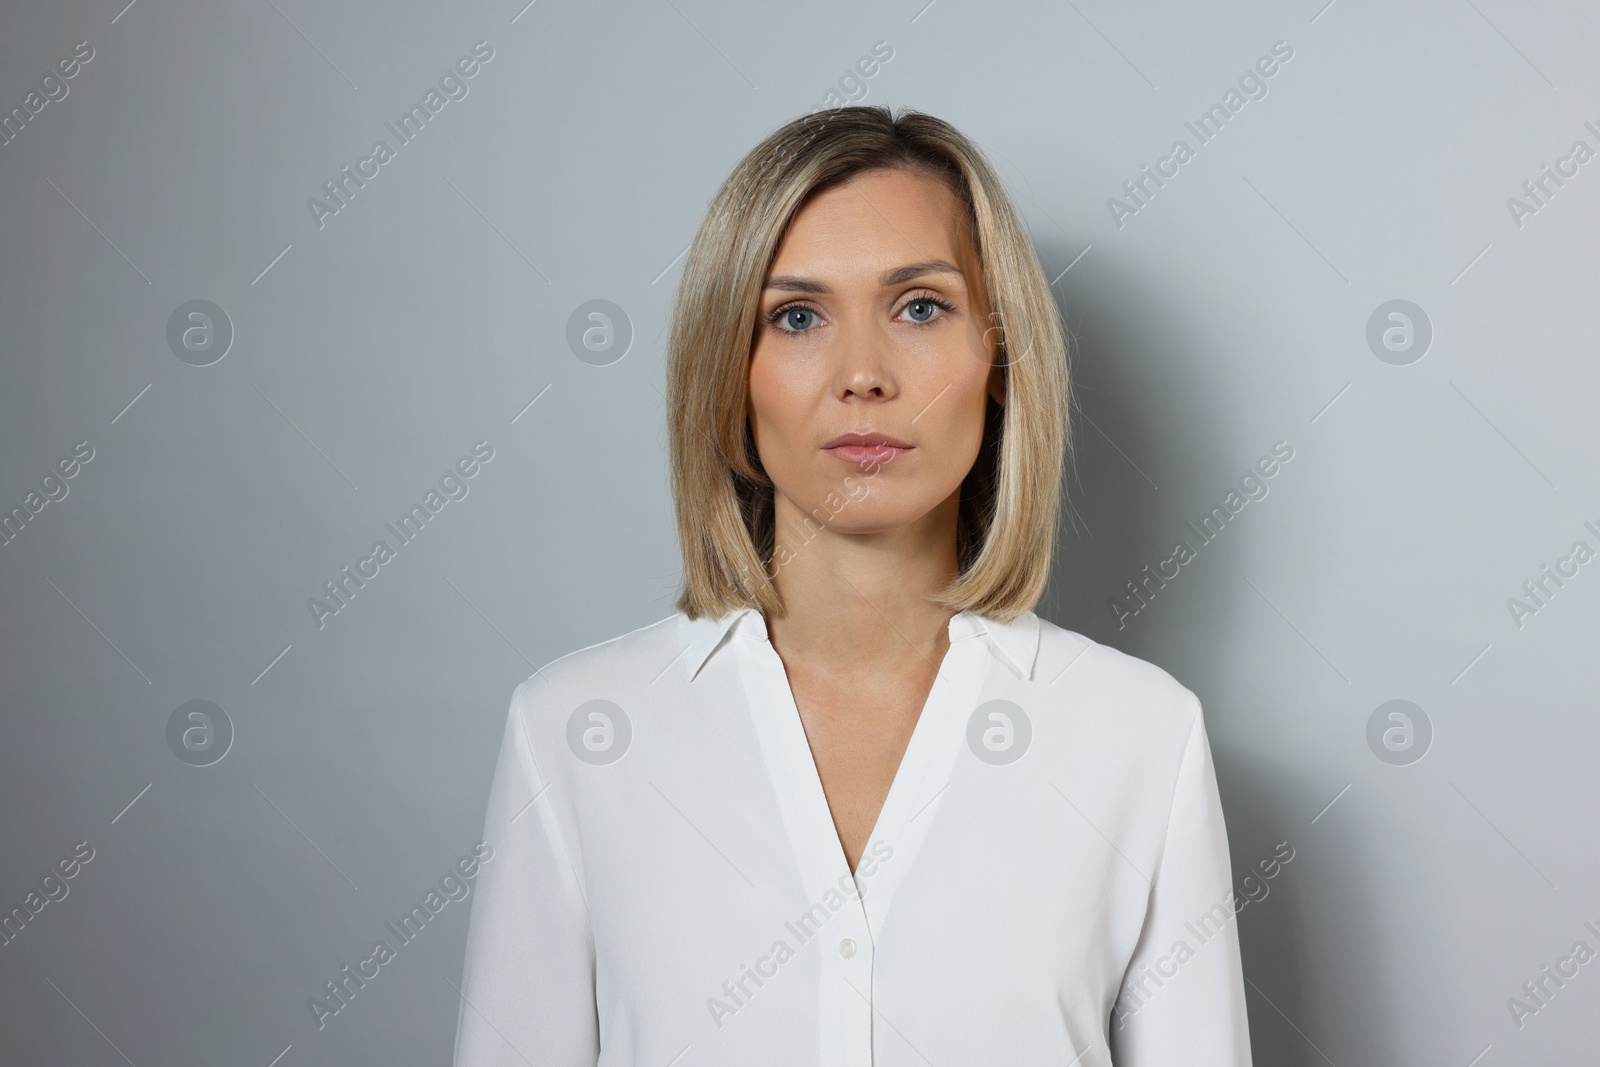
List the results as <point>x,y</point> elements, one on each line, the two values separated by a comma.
<point>1274,961</point>
<point>1139,396</point>
<point>1143,408</point>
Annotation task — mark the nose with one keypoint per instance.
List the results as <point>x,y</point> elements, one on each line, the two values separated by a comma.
<point>865,365</point>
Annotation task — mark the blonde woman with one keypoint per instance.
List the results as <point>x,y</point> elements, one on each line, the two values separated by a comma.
<point>854,803</point>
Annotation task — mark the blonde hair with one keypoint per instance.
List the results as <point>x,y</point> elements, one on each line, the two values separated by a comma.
<point>724,500</point>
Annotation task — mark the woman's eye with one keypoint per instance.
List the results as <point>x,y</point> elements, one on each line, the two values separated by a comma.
<point>921,310</point>
<point>797,319</point>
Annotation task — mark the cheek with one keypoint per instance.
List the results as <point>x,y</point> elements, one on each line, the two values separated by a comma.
<point>951,434</point>
<point>961,430</point>
<point>778,406</point>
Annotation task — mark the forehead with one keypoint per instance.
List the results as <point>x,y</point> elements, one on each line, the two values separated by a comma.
<point>877,219</point>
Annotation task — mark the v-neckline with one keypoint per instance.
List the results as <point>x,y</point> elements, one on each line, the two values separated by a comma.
<point>908,807</point>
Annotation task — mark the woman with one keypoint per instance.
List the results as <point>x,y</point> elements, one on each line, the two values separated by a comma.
<point>855,803</point>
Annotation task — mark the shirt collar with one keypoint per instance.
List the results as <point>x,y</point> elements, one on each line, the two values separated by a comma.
<point>1014,643</point>
<point>705,635</point>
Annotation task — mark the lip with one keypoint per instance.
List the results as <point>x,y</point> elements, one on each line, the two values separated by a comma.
<point>881,439</point>
<point>867,448</point>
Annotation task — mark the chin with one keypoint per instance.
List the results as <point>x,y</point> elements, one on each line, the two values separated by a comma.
<point>872,514</point>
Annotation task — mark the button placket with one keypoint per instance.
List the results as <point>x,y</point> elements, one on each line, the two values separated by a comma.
<point>846,1014</point>
<point>847,981</point>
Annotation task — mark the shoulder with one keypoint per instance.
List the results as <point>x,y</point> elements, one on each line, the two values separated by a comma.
<point>1106,681</point>
<point>625,662</point>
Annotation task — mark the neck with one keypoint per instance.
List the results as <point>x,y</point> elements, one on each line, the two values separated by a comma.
<point>858,600</point>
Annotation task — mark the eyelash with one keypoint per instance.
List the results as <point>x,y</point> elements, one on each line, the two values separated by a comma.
<point>921,298</point>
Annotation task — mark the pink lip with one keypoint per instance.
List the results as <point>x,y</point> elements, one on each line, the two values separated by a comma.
<point>867,455</point>
<point>867,448</point>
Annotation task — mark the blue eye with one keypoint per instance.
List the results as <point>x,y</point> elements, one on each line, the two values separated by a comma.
<point>793,318</point>
<point>925,309</point>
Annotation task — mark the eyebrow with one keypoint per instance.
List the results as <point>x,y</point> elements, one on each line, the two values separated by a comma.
<point>790,283</point>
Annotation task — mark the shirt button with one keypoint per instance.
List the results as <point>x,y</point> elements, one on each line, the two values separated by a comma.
<point>847,948</point>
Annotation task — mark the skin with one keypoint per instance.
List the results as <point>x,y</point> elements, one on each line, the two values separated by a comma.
<point>860,547</point>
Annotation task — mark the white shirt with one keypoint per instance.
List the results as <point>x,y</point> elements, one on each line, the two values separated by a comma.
<point>1048,881</point>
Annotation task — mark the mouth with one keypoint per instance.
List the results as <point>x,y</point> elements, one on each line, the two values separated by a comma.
<point>866,449</point>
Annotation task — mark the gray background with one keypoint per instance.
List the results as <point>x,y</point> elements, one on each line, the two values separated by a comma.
<point>1228,314</point>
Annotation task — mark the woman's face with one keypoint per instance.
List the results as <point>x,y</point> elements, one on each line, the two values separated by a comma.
<point>871,365</point>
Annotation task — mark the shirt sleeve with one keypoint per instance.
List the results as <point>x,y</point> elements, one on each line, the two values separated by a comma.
<point>1182,998</point>
<point>527,989</point>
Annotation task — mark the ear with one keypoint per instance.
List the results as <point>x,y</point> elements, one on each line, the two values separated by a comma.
<point>994,337</point>
<point>997,384</point>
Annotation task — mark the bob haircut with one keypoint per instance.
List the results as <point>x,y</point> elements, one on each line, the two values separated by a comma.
<point>1010,500</point>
